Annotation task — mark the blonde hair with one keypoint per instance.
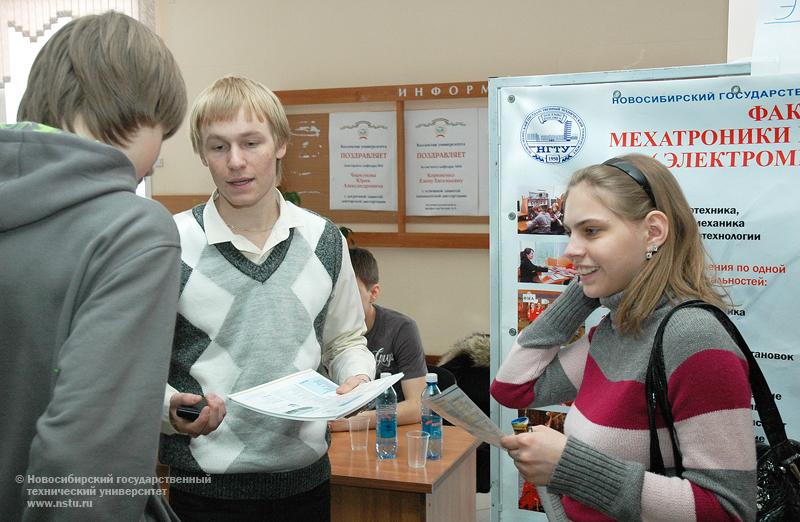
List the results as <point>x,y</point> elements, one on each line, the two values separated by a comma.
<point>680,268</point>
<point>223,100</point>
<point>110,72</point>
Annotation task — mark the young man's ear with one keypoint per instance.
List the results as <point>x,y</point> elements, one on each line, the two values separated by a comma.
<point>657,227</point>
<point>281,152</point>
<point>374,292</point>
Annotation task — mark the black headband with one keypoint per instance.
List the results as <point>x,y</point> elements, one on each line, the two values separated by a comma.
<point>635,174</point>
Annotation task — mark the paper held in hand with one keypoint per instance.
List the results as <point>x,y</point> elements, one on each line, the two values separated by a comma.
<point>308,396</point>
<point>454,405</point>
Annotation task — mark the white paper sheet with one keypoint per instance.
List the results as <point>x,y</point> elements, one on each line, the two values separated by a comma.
<point>442,162</point>
<point>775,42</point>
<point>454,405</point>
<point>363,161</point>
<point>308,396</point>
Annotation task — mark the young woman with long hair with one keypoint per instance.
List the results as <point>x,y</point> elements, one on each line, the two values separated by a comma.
<point>636,246</point>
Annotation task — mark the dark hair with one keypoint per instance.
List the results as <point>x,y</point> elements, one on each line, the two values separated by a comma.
<point>524,254</point>
<point>365,266</point>
<point>110,71</point>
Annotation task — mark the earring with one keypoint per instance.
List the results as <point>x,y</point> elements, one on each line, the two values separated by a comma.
<point>652,249</point>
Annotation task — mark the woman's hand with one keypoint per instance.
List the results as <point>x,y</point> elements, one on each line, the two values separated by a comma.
<point>536,452</point>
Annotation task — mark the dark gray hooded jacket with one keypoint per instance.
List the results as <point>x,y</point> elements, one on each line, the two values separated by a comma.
<point>89,276</point>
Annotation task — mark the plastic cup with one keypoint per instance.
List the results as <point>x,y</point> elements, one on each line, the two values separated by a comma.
<point>417,448</point>
<point>359,430</point>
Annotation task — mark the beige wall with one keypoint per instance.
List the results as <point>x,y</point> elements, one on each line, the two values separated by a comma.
<point>304,44</point>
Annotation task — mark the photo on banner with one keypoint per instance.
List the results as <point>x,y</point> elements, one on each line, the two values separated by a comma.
<point>527,495</point>
<point>531,304</point>
<point>540,211</point>
<point>542,260</point>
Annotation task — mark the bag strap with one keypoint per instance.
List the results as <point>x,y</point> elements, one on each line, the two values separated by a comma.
<point>656,390</point>
<point>657,399</point>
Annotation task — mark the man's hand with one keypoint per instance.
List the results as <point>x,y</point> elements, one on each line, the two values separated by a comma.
<point>536,452</point>
<point>210,417</point>
<point>351,383</point>
<point>339,425</point>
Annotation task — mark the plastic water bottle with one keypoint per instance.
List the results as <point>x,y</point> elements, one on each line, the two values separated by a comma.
<point>386,427</point>
<point>431,422</point>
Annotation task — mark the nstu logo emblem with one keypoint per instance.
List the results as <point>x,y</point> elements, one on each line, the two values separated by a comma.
<point>362,128</point>
<point>552,134</point>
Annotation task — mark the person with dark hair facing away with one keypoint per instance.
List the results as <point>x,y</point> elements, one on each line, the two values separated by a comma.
<point>528,272</point>
<point>635,242</point>
<point>393,338</point>
<point>90,274</point>
<point>540,223</point>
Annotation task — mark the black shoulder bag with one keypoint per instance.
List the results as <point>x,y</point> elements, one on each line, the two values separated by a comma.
<point>778,466</point>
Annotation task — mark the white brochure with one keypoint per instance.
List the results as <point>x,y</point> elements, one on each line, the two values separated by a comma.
<point>308,396</point>
<point>454,405</point>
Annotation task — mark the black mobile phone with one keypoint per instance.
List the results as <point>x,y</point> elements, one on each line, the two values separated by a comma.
<point>191,412</point>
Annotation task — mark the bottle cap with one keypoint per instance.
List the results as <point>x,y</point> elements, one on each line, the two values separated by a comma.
<point>520,424</point>
<point>386,374</point>
<point>432,377</point>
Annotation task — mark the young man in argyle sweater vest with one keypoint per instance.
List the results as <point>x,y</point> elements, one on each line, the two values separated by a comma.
<point>267,289</point>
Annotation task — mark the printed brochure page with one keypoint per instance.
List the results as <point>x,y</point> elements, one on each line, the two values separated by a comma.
<point>308,396</point>
<point>454,405</point>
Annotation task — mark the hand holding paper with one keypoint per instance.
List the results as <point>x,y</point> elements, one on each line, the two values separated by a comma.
<point>454,405</point>
<point>308,396</point>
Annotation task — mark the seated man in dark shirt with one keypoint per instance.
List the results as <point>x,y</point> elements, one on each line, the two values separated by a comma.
<point>394,340</point>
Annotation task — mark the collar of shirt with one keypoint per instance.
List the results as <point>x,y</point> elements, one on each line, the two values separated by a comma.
<point>217,230</point>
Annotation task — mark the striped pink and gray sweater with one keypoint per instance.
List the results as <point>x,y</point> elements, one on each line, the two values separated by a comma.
<point>602,473</point>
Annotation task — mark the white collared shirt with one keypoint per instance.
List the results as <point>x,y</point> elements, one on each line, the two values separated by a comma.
<point>217,230</point>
